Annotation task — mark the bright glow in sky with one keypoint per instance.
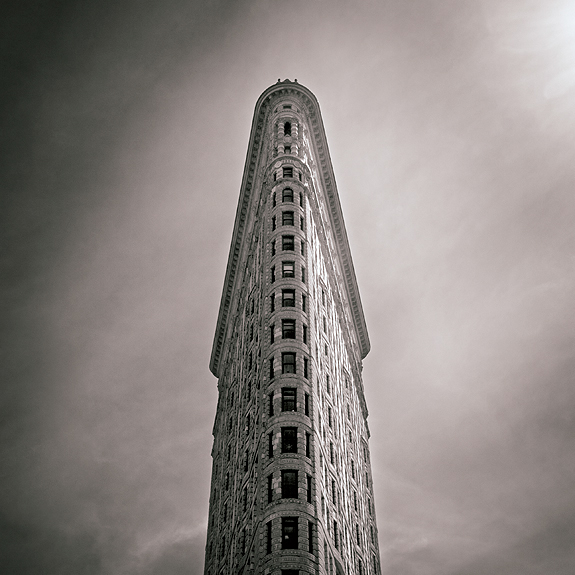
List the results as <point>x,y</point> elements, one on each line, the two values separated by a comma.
<point>451,130</point>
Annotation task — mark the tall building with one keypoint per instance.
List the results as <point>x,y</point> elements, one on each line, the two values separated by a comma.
<point>291,485</point>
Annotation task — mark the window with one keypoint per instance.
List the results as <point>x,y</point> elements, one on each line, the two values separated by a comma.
<point>287,129</point>
<point>269,537</point>
<point>324,323</point>
<point>290,572</point>
<point>335,535</point>
<point>273,302</point>
<point>244,541</point>
<point>270,445</point>
<point>333,492</point>
<point>272,328</point>
<point>273,200</point>
<point>305,368</point>
<point>288,362</point>
<point>289,532</point>
<point>273,274</point>
<point>303,302</point>
<point>287,219</point>
<point>286,107</point>
<point>271,397</point>
<point>306,404</point>
<point>357,534</point>
<point>246,460</point>
<point>329,419</point>
<point>303,274</point>
<point>289,439</point>
<point>352,469</point>
<point>272,368</point>
<point>309,488</point>
<point>288,270</point>
<point>289,484</point>
<point>355,500</point>
<point>288,243</point>
<point>301,198</point>
<point>287,149</point>
<point>302,248</point>
<point>270,488</point>
<point>307,445</point>
<point>273,248</point>
<point>273,223</point>
<point>289,399</point>
<point>331,452</point>
<point>323,297</point>
<point>245,499</point>
<point>301,222</point>
<point>288,328</point>
<point>287,195</point>
<point>287,172</point>
<point>305,333</point>
<point>288,298</point>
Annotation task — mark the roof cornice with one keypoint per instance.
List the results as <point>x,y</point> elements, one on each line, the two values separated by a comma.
<point>325,172</point>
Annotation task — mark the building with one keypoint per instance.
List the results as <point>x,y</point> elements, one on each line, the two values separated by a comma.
<point>291,485</point>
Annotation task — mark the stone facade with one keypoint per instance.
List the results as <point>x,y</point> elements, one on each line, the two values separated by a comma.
<point>291,481</point>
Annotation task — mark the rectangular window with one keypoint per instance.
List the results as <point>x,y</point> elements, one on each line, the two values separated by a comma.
<point>269,537</point>
<point>309,488</point>
<point>289,533</point>
<point>270,445</point>
<point>287,195</point>
<point>331,452</point>
<point>288,173</point>
<point>270,488</point>
<point>288,243</point>
<point>273,248</point>
<point>305,367</point>
<point>301,199</point>
<point>335,535</point>
<point>288,270</point>
<point>355,500</point>
<point>310,537</point>
<point>288,328</point>
<point>288,298</point>
<point>302,248</point>
<point>245,499</point>
<point>303,274</point>
<point>329,421</point>
<point>289,399</point>
<point>288,362</point>
<point>307,445</point>
<point>273,223</point>
<point>303,302</point>
<point>287,149</point>
<point>287,219</point>
<point>271,411</point>
<point>305,333</point>
<point>273,274</point>
<point>272,328</point>
<point>306,404</point>
<point>333,492</point>
<point>301,222</point>
<point>289,484</point>
<point>272,368</point>
<point>273,302</point>
<point>246,461</point>
<point>289,439</point>
<point>274,200</point>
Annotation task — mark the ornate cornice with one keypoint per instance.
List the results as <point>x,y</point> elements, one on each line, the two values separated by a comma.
<point>325,172</point>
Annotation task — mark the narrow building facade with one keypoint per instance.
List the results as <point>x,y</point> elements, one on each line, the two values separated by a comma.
<point>291,490</point>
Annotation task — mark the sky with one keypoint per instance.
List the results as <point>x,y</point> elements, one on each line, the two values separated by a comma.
<point>124,130</point>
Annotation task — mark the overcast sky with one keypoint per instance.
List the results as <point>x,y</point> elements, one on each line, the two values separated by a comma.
<point>125,124</point>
